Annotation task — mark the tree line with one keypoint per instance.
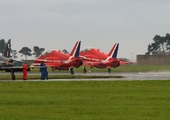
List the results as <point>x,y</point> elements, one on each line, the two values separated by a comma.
<point>160,45</point>
<point>25,51</point>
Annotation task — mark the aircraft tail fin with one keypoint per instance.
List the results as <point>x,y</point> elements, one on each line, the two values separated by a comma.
<point>76,49</point>
<point>7,49</point>
<point>113,52</point>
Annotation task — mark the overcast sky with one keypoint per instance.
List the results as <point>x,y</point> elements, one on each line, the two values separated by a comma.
<point>58,24</point>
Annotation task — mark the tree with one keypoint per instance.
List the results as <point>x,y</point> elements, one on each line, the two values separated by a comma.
<point>14,54</point>
<point>25,51</point>
<point>161,45</point>
<point>37,51</point>
<point>2,46</point>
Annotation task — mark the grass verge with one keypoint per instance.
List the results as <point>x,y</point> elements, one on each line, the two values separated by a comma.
<point>125,68</point>
<point>85,100</point>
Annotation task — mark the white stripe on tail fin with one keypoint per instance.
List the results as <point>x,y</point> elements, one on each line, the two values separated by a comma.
<point>76,49</point>
<point>113,52</point>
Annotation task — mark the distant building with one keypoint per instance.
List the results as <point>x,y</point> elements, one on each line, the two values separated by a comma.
<point>161,59</point>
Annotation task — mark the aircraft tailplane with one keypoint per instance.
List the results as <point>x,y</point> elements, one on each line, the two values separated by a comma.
<point>76,49</point>
<point>113,52</point>
<point>7,49</point>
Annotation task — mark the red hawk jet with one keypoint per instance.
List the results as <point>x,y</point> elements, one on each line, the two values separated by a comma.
<point>59,60</point>
<point>95,58</point>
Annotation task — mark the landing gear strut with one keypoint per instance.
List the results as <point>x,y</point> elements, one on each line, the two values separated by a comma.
<point>12,74</point>
<point>109,70</point>
<point>72,71</point>
<point>84,70</point>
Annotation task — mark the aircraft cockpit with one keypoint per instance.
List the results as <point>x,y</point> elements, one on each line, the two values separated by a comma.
<point>88,49</point>
<point>47,52</point>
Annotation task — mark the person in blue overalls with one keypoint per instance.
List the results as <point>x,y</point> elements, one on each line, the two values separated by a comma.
<point>43,70</point>
<point>46,73</point>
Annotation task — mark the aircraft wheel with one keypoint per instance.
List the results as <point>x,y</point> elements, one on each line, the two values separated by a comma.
<point>13,77</point>
<point>84,70</point>
<point>72,72</point>
<point>12,74</point>
<point>109,70</point>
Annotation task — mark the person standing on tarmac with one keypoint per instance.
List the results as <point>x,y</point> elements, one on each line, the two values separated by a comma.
<point>25,67</point>
<point>43,70</point>
<point>46,73</point>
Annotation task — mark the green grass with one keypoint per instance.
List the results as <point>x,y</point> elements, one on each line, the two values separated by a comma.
<point>142,68</point>
<point>133,68</point>
<point>85,100</point>
<point>126,68</point>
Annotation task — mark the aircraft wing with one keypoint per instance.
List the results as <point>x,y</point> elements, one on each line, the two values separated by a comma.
<point>90,63</point>
<point>14,69</point>
<point>47,64</point>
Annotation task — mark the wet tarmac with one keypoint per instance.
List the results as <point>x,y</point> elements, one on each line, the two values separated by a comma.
<point>145,76</point>
<point>126,76</point>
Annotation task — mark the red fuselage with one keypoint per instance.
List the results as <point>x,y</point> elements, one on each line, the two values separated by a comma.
<point>58,60</point>
<point>95,58</point>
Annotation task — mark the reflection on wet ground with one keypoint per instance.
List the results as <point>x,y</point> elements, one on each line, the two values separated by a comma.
<point>127,76</point>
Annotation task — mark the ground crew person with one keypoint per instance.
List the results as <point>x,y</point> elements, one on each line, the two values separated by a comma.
<point>43,70</point>
<point>46,73</point>
<point>25,67</point>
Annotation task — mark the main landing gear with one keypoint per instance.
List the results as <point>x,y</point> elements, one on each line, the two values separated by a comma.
<point>109,70</point>
<point>84,70</point>
<point>72,71</point>
<point>12,74</point>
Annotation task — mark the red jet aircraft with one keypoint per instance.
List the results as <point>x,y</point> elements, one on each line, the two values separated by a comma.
<point>59,60</point>
<point>95,58</point>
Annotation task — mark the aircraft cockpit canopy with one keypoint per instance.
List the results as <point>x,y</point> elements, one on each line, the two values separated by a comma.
<point>47,52</point>
<point>88,49</point>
